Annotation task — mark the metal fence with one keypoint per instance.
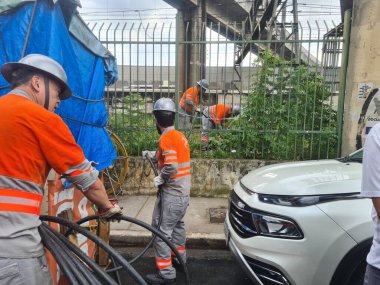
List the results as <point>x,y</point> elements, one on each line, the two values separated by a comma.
<point>285,78</point>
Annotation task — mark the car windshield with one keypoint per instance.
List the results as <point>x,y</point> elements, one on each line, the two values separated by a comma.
<point>356,156</point>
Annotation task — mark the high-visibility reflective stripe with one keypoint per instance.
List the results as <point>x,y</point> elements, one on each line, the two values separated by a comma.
<point>163,260</point>
<point>181,250</point>
<point>163,266</point>
<point>20,194</point>
<point>19,208</point>
<point>20,201</point>
<point>187,97</point>
<point>183,168</point>
<point>163,263</point>
<point>170,161</point>
<point>79,171</point>
<point>19,184</point>
<point>184,164</point>
<point>181,174</point>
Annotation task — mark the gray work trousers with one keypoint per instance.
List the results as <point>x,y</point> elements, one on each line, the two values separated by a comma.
<point>184,119</point>
<point>173,227</point>
<point>372,275</point>
<point>25,271</point>
<point>207,124</point>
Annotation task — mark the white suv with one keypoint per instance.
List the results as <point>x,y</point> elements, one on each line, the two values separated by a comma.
<point>301,223</point>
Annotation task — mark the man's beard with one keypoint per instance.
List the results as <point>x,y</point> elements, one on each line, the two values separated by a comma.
<point>158,129</point>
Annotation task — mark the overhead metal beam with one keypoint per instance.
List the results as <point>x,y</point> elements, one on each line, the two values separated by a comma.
<point>258,30</point>
<point>182,4</point>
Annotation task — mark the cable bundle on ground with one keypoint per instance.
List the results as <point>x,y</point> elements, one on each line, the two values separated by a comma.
<point>78,267</point>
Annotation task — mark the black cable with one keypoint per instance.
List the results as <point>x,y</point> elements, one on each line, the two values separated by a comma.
<point>146,226</point>
<point>86,259</point>
<point>62,263</point>
<point>160,194</point>
<point>74,265</point>
<point>161,235</point>
<point>124,263</point>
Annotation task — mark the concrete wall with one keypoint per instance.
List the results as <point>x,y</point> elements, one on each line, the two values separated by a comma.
<point>210,177</point>
<point>363,73</point>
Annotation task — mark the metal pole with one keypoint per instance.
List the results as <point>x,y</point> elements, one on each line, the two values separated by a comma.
<point>176,98</point>
<point>295,30</point>
<point>343,73</point>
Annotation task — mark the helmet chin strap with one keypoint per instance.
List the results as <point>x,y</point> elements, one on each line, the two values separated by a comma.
<point>47,96</point>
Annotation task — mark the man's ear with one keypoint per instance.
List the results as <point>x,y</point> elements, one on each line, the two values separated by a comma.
<point>35,82</point>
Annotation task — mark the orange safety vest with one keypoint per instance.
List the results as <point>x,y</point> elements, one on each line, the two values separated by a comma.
<point>174,149</point>
<point>190,96</point>
<point>36,141</point>
<point>219,113</point>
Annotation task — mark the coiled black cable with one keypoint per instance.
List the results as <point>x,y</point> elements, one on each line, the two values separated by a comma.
<point>83,275</point>
<point>112,252</point>
<point>57,254</point>
<point>106,279</point>
<point>148,227</point>
<point>160,194</point>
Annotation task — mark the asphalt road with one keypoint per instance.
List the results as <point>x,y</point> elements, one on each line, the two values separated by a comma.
<point>206,267</point>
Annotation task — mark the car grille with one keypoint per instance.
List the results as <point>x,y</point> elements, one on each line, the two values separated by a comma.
<point>267,274</point>
<point>240,215</point>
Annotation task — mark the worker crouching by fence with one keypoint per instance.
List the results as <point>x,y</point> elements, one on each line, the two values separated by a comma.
<point>216,116</point>
<point>189,103</point>
<point>173,182</point>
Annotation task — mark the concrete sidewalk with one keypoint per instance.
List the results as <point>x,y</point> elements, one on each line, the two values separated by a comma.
<point>201,231</point>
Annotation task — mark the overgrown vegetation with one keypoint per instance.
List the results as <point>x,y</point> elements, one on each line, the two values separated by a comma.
<point>287,116</point>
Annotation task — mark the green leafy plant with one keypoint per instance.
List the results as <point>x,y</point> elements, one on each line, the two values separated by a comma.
<point>288,114</point>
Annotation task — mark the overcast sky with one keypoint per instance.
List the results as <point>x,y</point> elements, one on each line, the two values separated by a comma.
<point>145,15</point>
<point>308,9</point>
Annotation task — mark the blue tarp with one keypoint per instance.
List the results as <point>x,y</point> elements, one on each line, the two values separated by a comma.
<point>84,113</point>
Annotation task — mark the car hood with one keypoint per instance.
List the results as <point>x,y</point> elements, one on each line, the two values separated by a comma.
<point>305,178</point>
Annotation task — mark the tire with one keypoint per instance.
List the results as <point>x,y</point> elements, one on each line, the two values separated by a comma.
<point>351,269</point>
<point>358,276</point>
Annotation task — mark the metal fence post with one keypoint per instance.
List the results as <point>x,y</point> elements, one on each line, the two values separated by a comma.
<point>343,73</point>
<point>176,97</point>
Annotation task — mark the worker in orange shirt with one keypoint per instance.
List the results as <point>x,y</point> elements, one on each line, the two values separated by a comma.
<point>173,156</point>
<point>189,103</point>
<point>33,141</point>
<point>214,117</point>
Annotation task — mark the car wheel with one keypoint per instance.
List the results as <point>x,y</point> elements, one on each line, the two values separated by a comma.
<point>351,269</point>
<point>358,276</point>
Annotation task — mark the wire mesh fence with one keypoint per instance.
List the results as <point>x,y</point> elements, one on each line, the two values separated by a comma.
<point>281,81</point>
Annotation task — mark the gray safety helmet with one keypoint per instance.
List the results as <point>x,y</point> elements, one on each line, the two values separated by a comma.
<point>164,104</point>
<point>204,84</point>
<point>43,64</point>
<point>235,110</point>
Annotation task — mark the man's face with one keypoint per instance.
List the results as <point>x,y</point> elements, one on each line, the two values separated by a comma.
<point>38,83</point>
<point>54,91</point>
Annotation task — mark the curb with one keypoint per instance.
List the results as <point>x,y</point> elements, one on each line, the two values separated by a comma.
<point>123,238</point>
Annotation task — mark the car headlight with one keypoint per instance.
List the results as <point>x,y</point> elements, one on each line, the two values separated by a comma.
<point>276,227</point>
<point>302,201</point>
<point>249,222</point>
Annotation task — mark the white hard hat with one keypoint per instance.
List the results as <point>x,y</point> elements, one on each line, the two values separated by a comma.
<point>204,84</point>
<point>164,104</point>
<point>235,110</point>
<point>43,64</point>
